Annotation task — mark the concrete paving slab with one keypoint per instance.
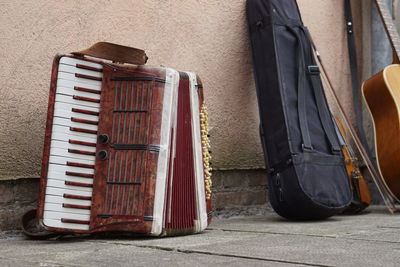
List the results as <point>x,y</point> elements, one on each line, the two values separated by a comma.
<point>372,239</point>
<point>186,243</point>
<point>18,251</point>
<point>373,220</point>
<point>313,250</point>
<point>295,249</point>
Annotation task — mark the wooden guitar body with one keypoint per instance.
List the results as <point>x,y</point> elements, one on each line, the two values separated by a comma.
<point>382,96</point>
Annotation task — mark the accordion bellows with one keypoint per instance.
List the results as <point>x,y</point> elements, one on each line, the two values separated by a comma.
<point>126,149</point>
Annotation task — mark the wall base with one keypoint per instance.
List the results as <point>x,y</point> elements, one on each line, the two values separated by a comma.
<point>235,193</point>
<point>240,193</point>
<point>16,197</point>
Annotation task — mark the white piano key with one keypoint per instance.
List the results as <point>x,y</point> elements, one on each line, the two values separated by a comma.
<point>68,99</point>
<point>68,83</point>
<point>61,184</point>
<point>62,156</point>
<point>57,158</point>
<point>74,157</point>
<point>65,110</point>
<point>66,145</point>
<point>67,211</point>
<point>71,77</point>
<point>58,224</point>
<point>53,191</point>
<point>61,200</point>
<point>68,114</point>
<point>65,134</point>
<point>69,123</point>
<point>56,214</point>
<point>73,69</point>
<point>62,169</point>
<point>74,61</point>
<point>72,92</point>
<point>63,177</point>
<point>70,106</point>
<point>59,208</point>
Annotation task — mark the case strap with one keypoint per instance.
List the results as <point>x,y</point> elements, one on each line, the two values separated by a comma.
<point>322,109</point>
<point>301,95</point>
<point>355,82</point>
<point>326,118</point>
<point>114,52</point>
<point>274,20</point>
<point>322,105</point>
<point>313,72</point>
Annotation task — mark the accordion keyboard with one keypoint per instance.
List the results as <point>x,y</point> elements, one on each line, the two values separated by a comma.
<point>73,145</point>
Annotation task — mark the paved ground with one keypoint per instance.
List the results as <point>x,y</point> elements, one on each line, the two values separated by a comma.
<point>371,239</point>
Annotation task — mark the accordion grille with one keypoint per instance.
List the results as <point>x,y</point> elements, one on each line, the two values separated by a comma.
<point>127,168</point>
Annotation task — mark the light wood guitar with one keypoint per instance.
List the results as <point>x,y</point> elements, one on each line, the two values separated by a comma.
<point>382,96</point>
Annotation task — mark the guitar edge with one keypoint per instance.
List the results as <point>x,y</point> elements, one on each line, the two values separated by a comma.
<point>381,93</point>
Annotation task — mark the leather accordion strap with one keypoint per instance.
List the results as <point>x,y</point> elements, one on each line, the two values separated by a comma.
<point>32,230</point>
<point>114,52</point>
<point>355,83</point>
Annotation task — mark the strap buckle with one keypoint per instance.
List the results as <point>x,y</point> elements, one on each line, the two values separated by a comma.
<point>313,70</point>
<point>307,148</point>
<point>336,151</point>
<point>260,24</point>
<point>349,25</point>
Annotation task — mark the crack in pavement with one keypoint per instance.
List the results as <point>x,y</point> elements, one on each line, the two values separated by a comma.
<point>188,251</point>
<point>348,237</point>
<point>271,232</point>
<point>389,227</point>
<point>191,251</point>
<point>372,240</point>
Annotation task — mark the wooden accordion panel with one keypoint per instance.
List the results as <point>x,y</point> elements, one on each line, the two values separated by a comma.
<point>126,149</point>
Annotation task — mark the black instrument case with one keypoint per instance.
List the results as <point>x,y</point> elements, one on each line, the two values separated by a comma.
<point>307,177</point>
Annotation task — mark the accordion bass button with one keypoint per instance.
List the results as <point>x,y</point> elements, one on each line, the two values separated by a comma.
<point>103,139</point>
<point>102,155</point>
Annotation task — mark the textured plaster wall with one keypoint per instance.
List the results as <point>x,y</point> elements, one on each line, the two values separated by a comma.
<point>205,36</point>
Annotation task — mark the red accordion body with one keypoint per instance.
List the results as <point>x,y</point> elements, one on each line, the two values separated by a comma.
<point>126,149</point>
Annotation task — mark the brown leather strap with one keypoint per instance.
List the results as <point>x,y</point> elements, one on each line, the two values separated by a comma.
<point>116,53</point>
<point>31,229</point>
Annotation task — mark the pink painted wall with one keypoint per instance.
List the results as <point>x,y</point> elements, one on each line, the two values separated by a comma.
<point>204,36</point>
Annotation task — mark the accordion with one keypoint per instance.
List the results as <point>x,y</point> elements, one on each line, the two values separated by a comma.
<point>126,149</point>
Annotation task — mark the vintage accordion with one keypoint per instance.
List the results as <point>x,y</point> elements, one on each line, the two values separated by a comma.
<point>126,149</point>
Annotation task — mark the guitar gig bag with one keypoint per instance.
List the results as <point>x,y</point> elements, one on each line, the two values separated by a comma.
<point>307,178</point>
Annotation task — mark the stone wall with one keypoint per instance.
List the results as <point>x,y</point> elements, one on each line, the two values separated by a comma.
<point>16,197</point>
